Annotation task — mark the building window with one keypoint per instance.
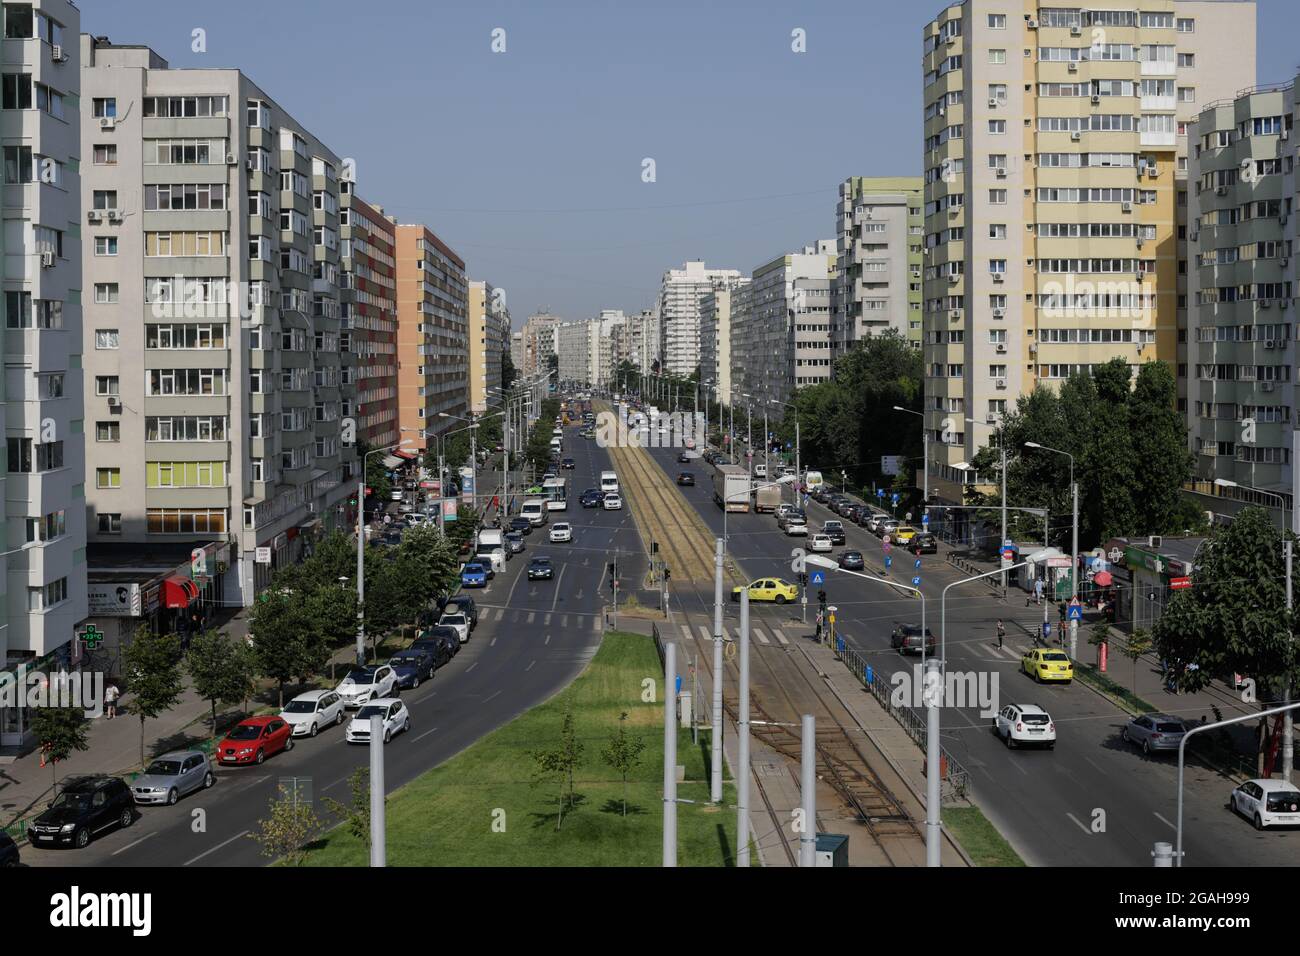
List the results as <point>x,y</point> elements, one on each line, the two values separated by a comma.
<point>186,521</point>
<point>18,165</point>
<point>106,385</point>
<point>1186,61</point>
<point>106,339</point>
<point>1187,94</point>
<point>53,525</point>
<point>997,57</point>
<point>104,154</point>
<point>106,245</point>
<point>103,106</point>
<point>108,477</point>
<point>108,431</point>
<point>997,21</point>
<point>110,523</point>
<point>997,230</point>
<point>106,293</point>
<point>1186,25</point>
<point>16,91</point>
<point>997,127</point>
<point>103,199</point>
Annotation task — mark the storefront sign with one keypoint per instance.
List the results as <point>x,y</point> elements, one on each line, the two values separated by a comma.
<point>113,599</point>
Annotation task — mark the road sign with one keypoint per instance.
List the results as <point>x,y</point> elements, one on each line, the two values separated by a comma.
<point>1075,612</point>
<point>1047,629</point>
<point>917,564</point>
<point>880,492</point>
<point>916,581</point>
<point>263,555</point>
<point>1178,584</point>
<point>817,577</point>
<point>1008,555</point>
<point>888,561</point>
<point>925,518</point>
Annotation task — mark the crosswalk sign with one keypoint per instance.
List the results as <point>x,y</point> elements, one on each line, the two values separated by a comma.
<point>1075,612</point>
<point>817,577</point>
<point>916,581</point>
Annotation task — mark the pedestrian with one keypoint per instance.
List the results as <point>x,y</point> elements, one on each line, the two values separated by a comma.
<point>1038,591</point>
<point>1002,633</point>
<point>110,701</point>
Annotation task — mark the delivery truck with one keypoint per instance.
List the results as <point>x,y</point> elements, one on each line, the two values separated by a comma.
<point>767,498</point>
<point>731,488</point>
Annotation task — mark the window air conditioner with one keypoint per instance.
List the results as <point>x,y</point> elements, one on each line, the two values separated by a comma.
<point>113,215</point>
<point>999,313</point>
<point>1126,207</point>
<point>1096,100</point>
<point>1152,172</point>
<point>1001,347</point>
<point>1032,24</point>
<point>107,122</point>
<point>47,259</point>
<point>1073,67</point>
<point>999,383</point>
<point>1221,191</point>
<point>232,159</point>
<point>998,277</point>
<point>92,215</point>
<point>57,54</point>
<point>1002,172</point>
<point>1076,31</point>
<point>114,402</point>
<point>993,102</point>
<point>1076,136</point>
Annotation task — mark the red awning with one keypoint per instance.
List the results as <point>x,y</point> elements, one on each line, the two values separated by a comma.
<point>1102,579</point>
<point>408,455</point>
<point>179,592</point>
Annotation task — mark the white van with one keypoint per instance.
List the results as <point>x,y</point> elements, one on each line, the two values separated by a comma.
<point>812,480</point>
<point>609,481</point>
<point>493,556</point>
<point>556,445</point>
<point>491,538</point>
<point>534,509</point>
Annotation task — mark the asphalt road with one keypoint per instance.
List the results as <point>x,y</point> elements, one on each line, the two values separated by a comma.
<point>532,640</point>
<point>1094,800</point>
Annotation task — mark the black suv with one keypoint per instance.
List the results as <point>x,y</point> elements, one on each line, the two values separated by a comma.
<point>9,855</point>
<point>83,809</point>
<point>438,640</point>
<point>521,524</point>
<point>923,542</point>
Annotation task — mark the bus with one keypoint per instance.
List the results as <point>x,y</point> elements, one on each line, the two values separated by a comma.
<point>555,492</point>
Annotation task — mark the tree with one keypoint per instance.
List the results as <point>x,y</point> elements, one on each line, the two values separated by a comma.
<point>377,479</point>
<point>623,754</point>
<point>153,667</point>
<point>221,670</point>
<point>286,643</point>
<point>59,732</point>
<point>1158,432</point>
<point>559,763</point>
<point>508,371</point>
<point>290,825</point>
<point>1139,643</point>
<point>355,814</point>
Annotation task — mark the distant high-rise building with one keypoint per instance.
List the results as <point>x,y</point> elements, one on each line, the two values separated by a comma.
<point>680,293</point>
<point>716,310</point>
<point>539,334</point>
<point>489,329</point>
<point>369,319</point>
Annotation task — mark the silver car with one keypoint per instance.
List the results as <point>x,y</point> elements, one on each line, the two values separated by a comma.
<point>1154,732</point>
<point>172,776</point>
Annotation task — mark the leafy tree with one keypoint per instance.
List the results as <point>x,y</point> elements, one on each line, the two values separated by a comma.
<point>508,371</point>
<point>1158,435</point>
<point>59,732</point>
<point>356,812</point>
<point>623,754</point>
<point>1139,643</point>
<point>377,479</point>
<point>153,667</point>
<point>290,825</point>
<point>558,764</point>
<point>221,670</point>
<point>286,642</point>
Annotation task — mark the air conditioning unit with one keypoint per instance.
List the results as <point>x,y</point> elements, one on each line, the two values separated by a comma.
<point>999,383</point>
<point>999,277</point>
<point>113,215</point>
<point>1001,347</point>
<point>1152,172</point>
<point>1270,343</point>
<point>999,313</point>
<point>1032,24</point>
<point>57,54</point>
<point>114,402</point>
<point>1033,348</point>
<point>1073,67</point>
<point>93,215</point>
<point>1076,31</point>
<point>955,314</point>
<point>1141,242</point>
<point>1002,172</point>
<point>953,280</point>
<point>1266,386</point>
<point>107,122</point>
<point>232,159</point>
<point>1076,136</point>
<point>1221,191</point>
<point>1126,207</point>
<point>1096,101</point>
<point>993,102</point>
<point>1155,541</point>
<point>47,259</point>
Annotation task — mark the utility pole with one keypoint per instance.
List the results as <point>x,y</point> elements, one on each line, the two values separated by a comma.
<point>933,691</point>
<point>715,745</point>
<point>670,755</point>
<point>361,566</point>
<point>378,829</point>
<point>742,729</point>
<point>808,788</point>
<point>1074,568</point>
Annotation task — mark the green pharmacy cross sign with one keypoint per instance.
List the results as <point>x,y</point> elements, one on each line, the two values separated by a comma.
<point>91,637</point>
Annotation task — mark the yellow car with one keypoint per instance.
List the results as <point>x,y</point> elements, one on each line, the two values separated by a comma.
<point>768,589</point>
<point>1047,665</point>
<point>904,534</point>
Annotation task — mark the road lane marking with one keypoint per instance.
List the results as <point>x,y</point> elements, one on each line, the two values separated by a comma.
<point>529,667</point>
<point>548,639</point>
<point>705,631</point>
<point>686,631</point>
<point>216,848</point>
<point>762,638</point>
<point>148,835</point>
<point>1166,822</point>
<point>492,643</point>
<point>532,616</point>
<point>471,667</point>
<point>780,635</point>
<point>556,600</point>
<point>423,735</point>
<point>546,619</point>
<point>495,693</point>
<point>1080,825</point>
<point>564,620</point>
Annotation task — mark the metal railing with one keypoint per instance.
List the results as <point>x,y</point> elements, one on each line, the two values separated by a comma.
<point>956,780</point>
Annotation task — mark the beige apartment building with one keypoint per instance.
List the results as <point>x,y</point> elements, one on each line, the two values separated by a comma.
<point>489,337</point>
<point>1241,335</point>
<point>1055,193</point>
<point>540,343</point>
<point>716,310</point>
<point>212,321</point>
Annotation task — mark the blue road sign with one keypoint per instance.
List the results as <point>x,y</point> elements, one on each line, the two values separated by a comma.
<point>888,561</point>
<point>817,577</point>
<point>917,565</point>
<point>1075,612</point>
<point>679,683</point>
<point>916,581</point>
<point>925,519</point>
<point>880,492</point>
<point>895,499</point>
<point>1047,629</point>
<point>805,501</point>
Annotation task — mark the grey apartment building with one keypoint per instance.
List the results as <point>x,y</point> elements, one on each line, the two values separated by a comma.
<point>212,321</point>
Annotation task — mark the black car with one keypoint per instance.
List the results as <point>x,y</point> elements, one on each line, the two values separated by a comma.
<point>417,664</point>
<point>463,604</point>
<point>906,639</point>
<point>440,635</point>
<point>521,524</point>
<point>683,458</point>
<point>9,855</point>
<point>851,512</point>
<point>568,464</point>
<point>852,561</point>
<point>923,542</point>
<point>86,807</point>
<point>591,498</point>
<point>540,569</point>
<point>686,479</point>
<point>514,541</point>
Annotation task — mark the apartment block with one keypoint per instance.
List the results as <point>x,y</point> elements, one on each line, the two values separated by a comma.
<point>539,341</point>
<point>680,292</point>
<point>716,311</point>
<point>881,234</point>
<point>489,334</point>
<point>369,315</point>
<point>577,347</point>
<point>1241,335</point>
<point>782,340</point>
<point>213,330</point>
<point>432,336</point>
<point>1055,152</point>
<point>42,485</point>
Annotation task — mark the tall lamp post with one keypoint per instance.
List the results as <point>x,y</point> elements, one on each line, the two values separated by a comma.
<point>925,456</point>
<point>361,547</point>
<point>1002,443</point>
<point>1074,539</point>
<point>797,462</point>
<point>1288,727</point>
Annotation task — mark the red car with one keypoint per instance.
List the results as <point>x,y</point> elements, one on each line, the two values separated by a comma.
<point>255,739</point>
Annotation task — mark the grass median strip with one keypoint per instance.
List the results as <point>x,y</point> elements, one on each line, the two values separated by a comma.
<point>979,838</point>
<point>486,806</point>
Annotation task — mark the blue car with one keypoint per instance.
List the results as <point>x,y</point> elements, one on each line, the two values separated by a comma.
<point>414,665</point>
<point>473,575</point>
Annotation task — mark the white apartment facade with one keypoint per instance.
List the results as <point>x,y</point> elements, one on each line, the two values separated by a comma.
<point>489,333</point>
<point>716,310</point>
<point>680,293</point>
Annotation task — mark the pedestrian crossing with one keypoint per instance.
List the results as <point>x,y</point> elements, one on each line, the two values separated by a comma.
<point>593,622</point>
<point>759,634</point>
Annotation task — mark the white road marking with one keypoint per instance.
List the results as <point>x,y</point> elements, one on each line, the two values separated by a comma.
<point>471,667</point>
<point>216,848</point>
<point>1080,825</point>
<point>423,735</point>
<point>558,578</point>
<point>147,836</point>
<point>546,619</point>
<point>705,631</point>
<point>529,667</point>
<point>762,638</point>
<point>564,620</point>
<point>780,635</point>
<point>492,643</point>
<point>1166,822</point>
<point>532,616</point>
<point>495,693</point>
<point>548,639</point>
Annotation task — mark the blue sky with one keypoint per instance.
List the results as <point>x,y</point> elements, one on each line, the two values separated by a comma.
<point>528,162</point>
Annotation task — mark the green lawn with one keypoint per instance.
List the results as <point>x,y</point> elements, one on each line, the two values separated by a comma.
<point>446,816</point>
<point>979,838</point>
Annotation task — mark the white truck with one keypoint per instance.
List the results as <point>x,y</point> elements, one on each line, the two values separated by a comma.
<point>767,498</point>
<point>731,488</point>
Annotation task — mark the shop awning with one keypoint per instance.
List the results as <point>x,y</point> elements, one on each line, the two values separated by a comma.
<point>408,455</point>
<point>392,461</point>
<point>179,592</point>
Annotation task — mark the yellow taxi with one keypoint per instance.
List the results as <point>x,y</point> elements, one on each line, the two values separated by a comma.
<point>1043,664</point>
<point>903,535</point>
<point>768,589</point>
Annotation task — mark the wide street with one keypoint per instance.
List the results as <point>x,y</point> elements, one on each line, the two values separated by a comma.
<point>1094,800</point>
<point>531,641</point>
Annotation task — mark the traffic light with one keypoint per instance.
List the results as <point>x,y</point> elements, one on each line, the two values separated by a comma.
<point>667,573</point>
<point>821,597</point>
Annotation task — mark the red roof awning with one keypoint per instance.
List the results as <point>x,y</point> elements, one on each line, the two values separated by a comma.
<point>179,592</point>
<point>408,455</point>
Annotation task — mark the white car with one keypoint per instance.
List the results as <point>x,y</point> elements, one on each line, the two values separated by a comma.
<point>459,622</point>
<point>1267,803</point>
<point>1025,724</point>
<point>308,713</point>
<point>364,684</point>
<point>612,502</point>
<point>561,531</point>
<point>797,528</point>
<point>760,471</point>
<point>819,542</point>
<point>394,716</point>
<point>414,518</point>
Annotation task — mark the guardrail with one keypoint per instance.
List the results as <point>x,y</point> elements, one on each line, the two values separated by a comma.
<point>956,780</point>
<point>966,566</point>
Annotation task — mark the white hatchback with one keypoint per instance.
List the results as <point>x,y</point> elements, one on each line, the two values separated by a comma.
<point>458,622</point>
<point>820,543</point>
<point>394,718</point>
<point>561,531</point>
<point>308,713</point>
<point>1267,803</point>
<point>612,502</point>
<point>1025,724</point>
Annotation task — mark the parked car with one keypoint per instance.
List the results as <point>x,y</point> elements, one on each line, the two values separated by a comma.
<point>886,526</point>
<point>906,639</point>
<point>463,604</point>
<point>84,808</point>
<point>903,534</point>
<point>819,543</point>
<point>394,718</point>
<point>365,683</point>
<point>414,665</point>
<point>9,855</point>
<point>473,575</point>
<point>864,517</point>
<point>873,521</point>
<point>1267,803</point>
<point>924,543</point>
<point>561,532</point>
<point>781,511</point>
<point>1154,732</point>
<point>796,525</point>
<point>852,561</point>
<point>613,501</point>
<point>683,458</point>
<point>835,531</point>
<point>438,641</point>
<point>1047,665</point>
<point>786,514</point>
<point>591,498</point>
<point>172,776</point>
<point>307,713</point>
<point>457,622</point>
<point>768,589</point>
<point>254,739</point>
<point>540,569</point>
<point>686,479</point>
<point>1025,724</point>
<point>760,471</point>
<point>514,542</point>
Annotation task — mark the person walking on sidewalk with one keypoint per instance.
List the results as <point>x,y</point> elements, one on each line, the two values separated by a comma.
<point>1002,633</point>
<point>110,701</point>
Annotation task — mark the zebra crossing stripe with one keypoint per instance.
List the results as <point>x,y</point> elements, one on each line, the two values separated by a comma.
<point>762,638</point>
<point>780,635</point>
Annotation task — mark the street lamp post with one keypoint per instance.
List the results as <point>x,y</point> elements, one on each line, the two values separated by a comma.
<point>361,548</point>
<point>1002,442</point>
<point>1074,541</point>
<point>797,462</point>
<point>925,456</point>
